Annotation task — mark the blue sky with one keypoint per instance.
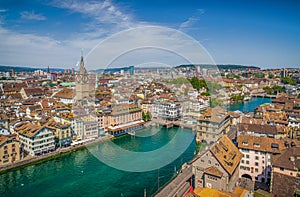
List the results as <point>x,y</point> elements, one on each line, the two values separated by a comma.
<point>41,33</point>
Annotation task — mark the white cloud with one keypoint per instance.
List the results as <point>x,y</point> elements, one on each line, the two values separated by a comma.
<point>2,10</point>
<point>188,23</point>
<point>99,11</point>
<point>32,16</point>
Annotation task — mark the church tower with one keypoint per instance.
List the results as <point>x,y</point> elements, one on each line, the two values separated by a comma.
<point>82,82</point>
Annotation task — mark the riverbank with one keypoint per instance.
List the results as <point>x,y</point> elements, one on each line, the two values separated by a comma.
<point>57,153</point>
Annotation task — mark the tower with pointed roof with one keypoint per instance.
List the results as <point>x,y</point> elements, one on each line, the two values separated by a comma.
<point>82,83</point>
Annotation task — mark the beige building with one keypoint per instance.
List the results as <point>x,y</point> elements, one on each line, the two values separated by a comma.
<point>213,124</point>
<point>62,133</point>
<point>257,152</point>
<point>217,167</point>
<point>9,149</point>
<point>82,85</point>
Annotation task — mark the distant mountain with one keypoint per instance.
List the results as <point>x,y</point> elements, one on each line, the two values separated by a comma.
<point>112,70</point>
<point>229,66</point>
<point>18,69</point>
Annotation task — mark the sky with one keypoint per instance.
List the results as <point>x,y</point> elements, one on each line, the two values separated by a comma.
<point>56,32</point>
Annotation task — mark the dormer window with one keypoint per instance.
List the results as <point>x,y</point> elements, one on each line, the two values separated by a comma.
<point>256,145</point>
<point>245,143</point>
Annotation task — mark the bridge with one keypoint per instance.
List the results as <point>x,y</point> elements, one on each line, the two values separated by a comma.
<point>179,185</point>
<point>170,124</point>
<point>263,95</point>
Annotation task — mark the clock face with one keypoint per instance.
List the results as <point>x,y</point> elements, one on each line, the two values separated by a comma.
<point>78,78</point>
<point>85,78</point>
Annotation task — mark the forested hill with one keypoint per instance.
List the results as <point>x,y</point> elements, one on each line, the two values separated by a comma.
<point>229,66</point>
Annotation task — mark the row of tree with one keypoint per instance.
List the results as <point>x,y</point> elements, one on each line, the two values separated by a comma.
<point>274,90</point>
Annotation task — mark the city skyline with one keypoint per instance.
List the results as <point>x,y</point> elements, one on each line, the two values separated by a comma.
<point>256,33</point>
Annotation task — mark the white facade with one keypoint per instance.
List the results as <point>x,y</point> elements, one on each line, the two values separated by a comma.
<point>42,142</point>
<point>167,110</point>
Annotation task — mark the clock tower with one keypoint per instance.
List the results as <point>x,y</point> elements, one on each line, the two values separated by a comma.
<point>82,82</point>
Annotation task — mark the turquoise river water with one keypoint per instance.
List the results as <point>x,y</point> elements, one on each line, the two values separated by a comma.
<point>81,174</point>
<point>249,106</point>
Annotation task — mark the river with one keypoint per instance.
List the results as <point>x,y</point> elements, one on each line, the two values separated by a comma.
<point>81,174</point>
<point>249,106</point>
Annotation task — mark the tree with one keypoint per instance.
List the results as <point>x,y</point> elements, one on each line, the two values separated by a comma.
<point>298,96</point>
<point>146,116</point>
<point>268,90</point>
<point>288,80</point>
<point>205,94</point>
<point>271,76</point>
<point>213,102</point>
<point>197,84</point>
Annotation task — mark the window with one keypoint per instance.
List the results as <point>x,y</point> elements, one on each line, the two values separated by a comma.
<point>256,157</point>
<point>256,145</point>
<point>256,163</point>
<point>256,170</point>
<point>245,143</point>
<point>243,161</point>
<point>247,162</point>
<point>256,152</point>
<point>212,178</point>
<point>247,156</point>
<point>281,169</point>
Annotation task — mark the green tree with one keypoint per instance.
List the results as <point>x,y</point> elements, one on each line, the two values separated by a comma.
<point>268,90</point>
<point>271,76</point>
<point>197,83</point>
<point>205,94</point>
<point>288,80</point>
<point>213,102</point>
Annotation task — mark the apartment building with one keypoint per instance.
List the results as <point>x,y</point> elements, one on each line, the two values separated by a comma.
<point>9,149</point>
<point>167,110</point>
<point>36,139</point>
<point>217,167</point>
<point>257,152</point>
<point>213,124</point>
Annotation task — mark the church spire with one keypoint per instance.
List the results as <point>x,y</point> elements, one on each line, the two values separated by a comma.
<point>82,69</point>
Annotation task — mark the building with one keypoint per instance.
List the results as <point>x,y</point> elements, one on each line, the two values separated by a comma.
<point>273,131</point>
<point>62,133</point>
<point>213,124</point>
<point>35,139</point>
<point>121,119</point>
<point>32,93</point>
<point>238,192</point>
<point>285,180</point>
<point>9,149</point>
<point>257,152</point>
<point>167,110</point>
<point>217,167</point>
<point>86,127</point>
<point>131,70</point>
<point>66,95</point>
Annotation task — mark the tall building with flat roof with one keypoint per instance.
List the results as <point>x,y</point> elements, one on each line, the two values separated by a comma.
<point>131,70</point>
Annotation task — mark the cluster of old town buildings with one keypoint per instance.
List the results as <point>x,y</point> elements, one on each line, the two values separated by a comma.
<point>43,112</point>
